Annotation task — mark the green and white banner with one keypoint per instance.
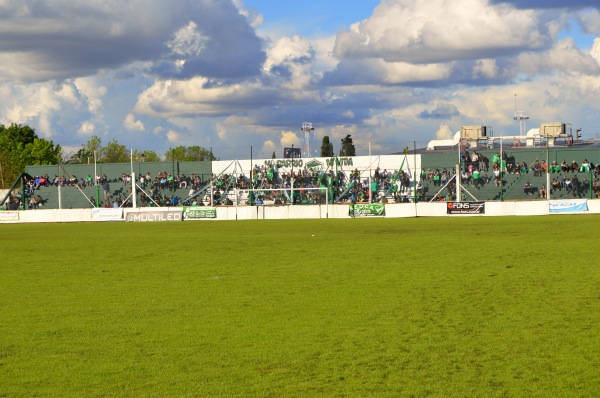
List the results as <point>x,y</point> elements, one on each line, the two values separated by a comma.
<point>366,210</point>
<point>197,213</point>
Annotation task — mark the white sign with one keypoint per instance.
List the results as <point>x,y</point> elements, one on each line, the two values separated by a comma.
<point>106,214</point>
<point>9,216</point>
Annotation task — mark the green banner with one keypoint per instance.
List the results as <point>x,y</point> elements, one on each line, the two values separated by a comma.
<point>195,213</point>
<point>366,210</point>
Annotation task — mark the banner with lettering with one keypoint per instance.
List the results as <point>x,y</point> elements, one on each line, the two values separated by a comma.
<point>199,213</point>
<point>366,210</point>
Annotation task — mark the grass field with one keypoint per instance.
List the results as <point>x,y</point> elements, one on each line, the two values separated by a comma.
<point>475,307</point>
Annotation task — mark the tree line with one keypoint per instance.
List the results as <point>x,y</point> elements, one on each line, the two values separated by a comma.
<point>21,147</point>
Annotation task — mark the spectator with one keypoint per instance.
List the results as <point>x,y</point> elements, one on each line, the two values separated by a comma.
<point>574,167</point>
<point>528,189</point>
<point>575,184</point>
<point>585,166</point>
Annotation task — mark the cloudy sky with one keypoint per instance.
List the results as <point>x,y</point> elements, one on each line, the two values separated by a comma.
<point>231,74</point>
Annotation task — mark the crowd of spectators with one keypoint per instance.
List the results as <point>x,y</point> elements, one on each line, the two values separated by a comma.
<point>311,185</point>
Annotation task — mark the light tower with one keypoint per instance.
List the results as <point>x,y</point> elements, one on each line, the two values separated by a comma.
<point>308,140</point>
<point>521,116</point>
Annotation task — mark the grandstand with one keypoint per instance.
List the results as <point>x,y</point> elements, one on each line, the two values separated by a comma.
<point>416,177</point>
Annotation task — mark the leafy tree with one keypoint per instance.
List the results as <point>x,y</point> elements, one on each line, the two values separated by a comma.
<point>114,153</point>
<point>145,156</point>
<point>326,148</point>
<point>347,147</point>
<point>85,154</point>
<point>19,147</point>
<point>189,154</point>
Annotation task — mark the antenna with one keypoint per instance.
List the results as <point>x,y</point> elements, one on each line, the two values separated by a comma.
<point>521,116</point>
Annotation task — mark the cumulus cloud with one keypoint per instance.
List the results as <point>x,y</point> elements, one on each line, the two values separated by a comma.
<point>438,31</point>
<point>289,59</point>
<point>441,111</point>
<point>549,3</point>
<point>565,56</point>
<point>202,96</point>
<point>131,124</point>
<point>444,133</point>
<point>59,39</point>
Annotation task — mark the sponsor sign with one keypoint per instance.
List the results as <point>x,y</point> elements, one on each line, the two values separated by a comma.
<point>366,210</point>
<point>465,207</point>
<point>568,206</point>
<point>101,213</point>
<point>150,216</point>
<point>197,213</point>
<point>9,216</point>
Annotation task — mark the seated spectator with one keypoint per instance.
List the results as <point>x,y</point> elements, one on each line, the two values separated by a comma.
<point>524,168</point>
<point>554,167</point>
<point>537,169</point>
<point>543,192</point>
<point>555,185</point>
<point>574,167</point>
<point>585,166</point>
<point>564,167</point>
<point>528,189</point>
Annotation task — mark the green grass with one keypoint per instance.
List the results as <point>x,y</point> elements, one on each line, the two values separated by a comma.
<point>481,306</point>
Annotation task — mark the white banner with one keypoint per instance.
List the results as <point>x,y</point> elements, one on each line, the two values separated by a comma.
<point>568,206</point>
<point>107,214</point>
<point>9,216</point>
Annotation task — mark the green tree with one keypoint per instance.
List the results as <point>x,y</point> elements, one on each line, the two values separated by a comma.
<point>145,156</point>
<point>326,148</point>
<point>347,147</point>
<point>189,154</point>
<point>85,154</point>
<point>114,153</point>
<point>19,147</point>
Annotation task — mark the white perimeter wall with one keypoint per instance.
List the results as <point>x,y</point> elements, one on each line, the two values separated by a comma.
<point>392,210</point>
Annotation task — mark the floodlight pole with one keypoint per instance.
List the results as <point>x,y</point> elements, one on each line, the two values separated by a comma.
<point>292,178</point>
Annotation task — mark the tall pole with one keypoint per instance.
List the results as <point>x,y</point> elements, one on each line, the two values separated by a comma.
<point>547,170</point>
<point>370,178</point>
<point>173,175</point>
<point>415,173</point>
<point>96,181</point>
<point>292,178</point>
<point>501,171</point>
<point>251,178</point>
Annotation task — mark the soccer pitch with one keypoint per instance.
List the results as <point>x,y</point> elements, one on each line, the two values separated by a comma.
<point>466,306</point>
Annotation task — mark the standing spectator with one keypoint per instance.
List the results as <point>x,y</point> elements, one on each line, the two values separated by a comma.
<point>106,188</point>
<point>575,184</point>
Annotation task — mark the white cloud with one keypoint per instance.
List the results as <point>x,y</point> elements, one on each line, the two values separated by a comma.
<point>486,68</point>
<point>87,128</point>
<point>131,124</point>
<point>439,30</point>
<point>188,41</point>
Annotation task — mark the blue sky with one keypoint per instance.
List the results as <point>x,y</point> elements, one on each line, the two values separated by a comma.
<point>231,74</point>
<point>311,17</point>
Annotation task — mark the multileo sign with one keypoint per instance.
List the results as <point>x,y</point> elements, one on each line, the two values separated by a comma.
<point>465,207</point>
<point>152,216</point>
